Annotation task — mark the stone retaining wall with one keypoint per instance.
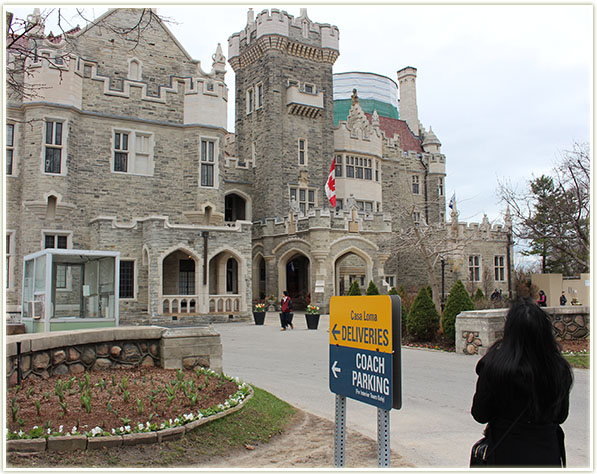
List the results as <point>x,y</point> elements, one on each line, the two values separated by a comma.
<point>476,331</point>
<point>62,352</point>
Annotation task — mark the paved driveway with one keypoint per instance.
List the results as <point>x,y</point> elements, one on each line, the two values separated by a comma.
<point>434,428</point>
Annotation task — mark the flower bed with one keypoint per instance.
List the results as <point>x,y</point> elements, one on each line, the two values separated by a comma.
<point>118,402</point>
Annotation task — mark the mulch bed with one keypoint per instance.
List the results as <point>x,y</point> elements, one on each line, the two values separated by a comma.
<point>146,400</point>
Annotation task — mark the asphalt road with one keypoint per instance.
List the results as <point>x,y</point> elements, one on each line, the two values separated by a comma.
<point>434,428</point>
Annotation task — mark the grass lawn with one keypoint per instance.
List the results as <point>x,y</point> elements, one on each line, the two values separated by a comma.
<point>578,360</point>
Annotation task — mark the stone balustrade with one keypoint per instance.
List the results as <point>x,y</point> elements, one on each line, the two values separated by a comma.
<point>476,331</point>
<point>62,352</point>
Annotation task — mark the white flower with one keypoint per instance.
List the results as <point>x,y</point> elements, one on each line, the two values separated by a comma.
<point>140,426</point>
<point>162,426</point>
<point>60,429</point>
<point>147,424</point>
<point>21,433</point>
<point>128,428</point>
<point>49,430</point>
<point>74,430</point>
<point>113,431</point>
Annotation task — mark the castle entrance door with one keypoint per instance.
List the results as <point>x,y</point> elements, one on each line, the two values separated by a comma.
<point>349,267</point>
<point>297,281</point>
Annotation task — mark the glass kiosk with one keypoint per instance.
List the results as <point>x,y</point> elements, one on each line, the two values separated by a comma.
<point>66,289</point>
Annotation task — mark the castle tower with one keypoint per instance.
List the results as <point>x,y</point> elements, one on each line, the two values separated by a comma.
<point>284,108</point>
<point>407,78</point>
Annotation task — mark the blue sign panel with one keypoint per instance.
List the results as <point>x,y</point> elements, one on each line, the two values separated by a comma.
<point>361,374</point>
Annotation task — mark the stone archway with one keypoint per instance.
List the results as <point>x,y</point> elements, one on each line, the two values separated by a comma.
<point>348,267</point>
<point>298,281</point>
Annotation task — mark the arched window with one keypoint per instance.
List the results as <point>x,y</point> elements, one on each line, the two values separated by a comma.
<point>51,208</point>
<point>232,276</point>
<point>134,70</point>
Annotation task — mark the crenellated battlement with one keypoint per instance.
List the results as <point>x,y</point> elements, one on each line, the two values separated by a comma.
<point>320,41</point>
<point>61,82</point>
<point>323,219</point>
<point>483,230</point>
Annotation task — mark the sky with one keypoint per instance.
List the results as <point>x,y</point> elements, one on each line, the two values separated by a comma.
<point>506,88</point>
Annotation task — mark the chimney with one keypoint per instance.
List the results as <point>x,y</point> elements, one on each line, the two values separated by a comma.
<point>408,98</point>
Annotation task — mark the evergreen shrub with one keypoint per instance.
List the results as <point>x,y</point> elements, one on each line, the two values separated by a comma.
<point>355,289</point>
<point>422,321</point>
<point>372,289</point>
<point>458,301</point>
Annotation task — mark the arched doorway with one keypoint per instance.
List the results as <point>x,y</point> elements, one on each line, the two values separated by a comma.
<point>348,268</point>
<point>297,281</point>
<point>179,283</point>
<point>225,283</point>
<point>234,208</point>
<point>259,273</point>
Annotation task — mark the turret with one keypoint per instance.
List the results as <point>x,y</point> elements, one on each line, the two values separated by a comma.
<point>431,143</point>
<point>408,98</point>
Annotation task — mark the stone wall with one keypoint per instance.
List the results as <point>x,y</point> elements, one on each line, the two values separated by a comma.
<point>71,352</point>
<point>476,331</point>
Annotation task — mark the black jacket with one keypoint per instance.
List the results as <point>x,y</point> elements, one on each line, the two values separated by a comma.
<point>536,439</point>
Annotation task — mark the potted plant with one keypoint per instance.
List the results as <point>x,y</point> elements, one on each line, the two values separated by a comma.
<point>259,314</point>
<point>312,316</point>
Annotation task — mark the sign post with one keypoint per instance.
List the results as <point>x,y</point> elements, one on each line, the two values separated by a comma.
<point>365,363</point>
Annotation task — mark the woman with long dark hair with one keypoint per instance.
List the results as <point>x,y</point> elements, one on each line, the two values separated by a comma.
<point>522,392</point>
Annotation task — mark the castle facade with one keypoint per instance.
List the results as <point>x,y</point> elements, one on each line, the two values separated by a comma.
<point>126,149</point>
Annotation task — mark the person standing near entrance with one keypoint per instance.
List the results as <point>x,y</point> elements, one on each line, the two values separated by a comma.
<point>563,299</point>
<point>286,316</point>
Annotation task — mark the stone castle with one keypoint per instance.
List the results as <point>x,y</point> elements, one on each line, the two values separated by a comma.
<point>126,149</point>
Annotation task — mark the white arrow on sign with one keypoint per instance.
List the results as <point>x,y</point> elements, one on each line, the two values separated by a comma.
<point>336,370</point>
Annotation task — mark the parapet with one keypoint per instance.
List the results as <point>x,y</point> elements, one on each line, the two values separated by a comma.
<point>280,23</point>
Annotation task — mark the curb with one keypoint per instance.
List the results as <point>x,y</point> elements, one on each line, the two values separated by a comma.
<point>82,442</point>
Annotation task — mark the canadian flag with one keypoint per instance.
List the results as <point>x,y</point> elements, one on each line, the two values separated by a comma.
<point>330,185</point>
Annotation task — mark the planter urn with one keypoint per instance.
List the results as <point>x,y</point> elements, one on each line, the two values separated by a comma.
<point>259,317</point>
<point>312,320</point>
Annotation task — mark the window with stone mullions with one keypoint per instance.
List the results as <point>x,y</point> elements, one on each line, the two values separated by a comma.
<point>499,268</point>
<point>121,147</point>
<point>415,184</point>
<point>350,166</point>
<point>259,95</point>
<point>474,268</point>
<point>53,241</point>
<point>207,162</point>
<point>53,162</point>
<point>338,167</point>
<point>10,132</point>
<point>302,151</point>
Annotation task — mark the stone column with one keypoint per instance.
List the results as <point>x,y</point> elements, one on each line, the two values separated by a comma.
<point>271,277</point>
<point>320,257</point>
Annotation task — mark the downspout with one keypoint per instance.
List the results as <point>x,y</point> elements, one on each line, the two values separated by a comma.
<point>205,235</point>
<point>508,262</point>
<point>425,186</point>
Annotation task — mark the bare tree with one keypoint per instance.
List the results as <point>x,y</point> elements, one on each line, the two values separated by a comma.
<point>552,213</point>
<point>25,37</point>
<point>431,241</point>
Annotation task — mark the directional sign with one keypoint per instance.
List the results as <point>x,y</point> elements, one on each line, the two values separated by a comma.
<point>363,375</point>
<point>365,349</point>
<point>362,322</point>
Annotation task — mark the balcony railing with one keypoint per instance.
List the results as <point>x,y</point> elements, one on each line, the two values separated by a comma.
<point>189,304</point>
<point>224,304</point>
